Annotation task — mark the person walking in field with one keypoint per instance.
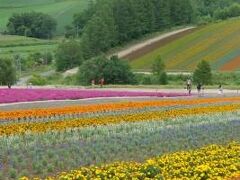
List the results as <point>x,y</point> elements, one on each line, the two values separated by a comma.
<point>189,86</point>
<point>199,88</point>
<point>220,89</point>
<point>101,82</point>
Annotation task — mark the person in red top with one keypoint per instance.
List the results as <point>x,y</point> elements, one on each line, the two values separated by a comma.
<point>101,82</point>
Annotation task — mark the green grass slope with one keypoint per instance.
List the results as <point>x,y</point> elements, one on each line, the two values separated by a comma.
<point>61,10</point>
<point>218,43</point>
<point>18,45</point>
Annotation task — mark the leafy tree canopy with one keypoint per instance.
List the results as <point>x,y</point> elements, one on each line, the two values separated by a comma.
<point>32,24</point>
<point>114,71</point>
<point>7,72</point>
<point>68,55</point>
<point>203,73</point>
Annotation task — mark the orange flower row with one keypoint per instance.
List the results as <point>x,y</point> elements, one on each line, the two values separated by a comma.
<point>38,127</point>
<point>8,115</point>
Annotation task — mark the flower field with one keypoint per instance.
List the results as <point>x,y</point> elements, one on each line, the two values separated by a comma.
<point>152,139</point>
<point>217,43</point>
<point>26,95</point>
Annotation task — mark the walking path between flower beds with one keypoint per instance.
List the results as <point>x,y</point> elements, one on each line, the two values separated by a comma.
<point>101,96</point>
<point>61,103</point>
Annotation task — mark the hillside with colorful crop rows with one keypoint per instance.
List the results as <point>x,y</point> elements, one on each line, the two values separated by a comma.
<point>217,43</point>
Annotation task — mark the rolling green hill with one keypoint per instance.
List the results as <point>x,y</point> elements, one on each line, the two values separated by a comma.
<point>61,10</point>
<point>218,43</point>
<point>18,45</point>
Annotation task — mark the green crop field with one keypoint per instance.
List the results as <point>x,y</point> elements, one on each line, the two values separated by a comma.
<point>61,10</point>
<point>218,43</point>
<point>18,45</point>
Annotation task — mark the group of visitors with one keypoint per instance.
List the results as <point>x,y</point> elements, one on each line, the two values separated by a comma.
<point>100,82</point>
<point>200,88</point>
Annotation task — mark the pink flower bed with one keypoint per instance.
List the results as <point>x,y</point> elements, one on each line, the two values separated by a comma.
<point>26,95</point>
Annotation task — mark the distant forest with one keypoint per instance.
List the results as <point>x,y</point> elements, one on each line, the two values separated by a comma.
<point>108,23</point>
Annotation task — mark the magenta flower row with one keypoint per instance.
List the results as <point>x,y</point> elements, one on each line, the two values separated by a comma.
<point>26,95</point>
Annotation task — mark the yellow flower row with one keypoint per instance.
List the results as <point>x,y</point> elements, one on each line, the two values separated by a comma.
<point>37,127</point>
<point>211,162</point>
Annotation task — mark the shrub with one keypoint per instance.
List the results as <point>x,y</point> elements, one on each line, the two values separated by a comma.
<point>68,55</point>
<point>37,80</point>
<point>7,72</point>
<point>158,69</point>
<point>13,173</point>
<point>113,70</point>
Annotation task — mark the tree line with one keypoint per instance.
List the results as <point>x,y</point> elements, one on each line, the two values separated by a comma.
<point>109,23</point>
<point>32,24</point>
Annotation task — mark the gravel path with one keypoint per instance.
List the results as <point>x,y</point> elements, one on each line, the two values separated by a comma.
<point>138,47</point>
<point>62,103</point>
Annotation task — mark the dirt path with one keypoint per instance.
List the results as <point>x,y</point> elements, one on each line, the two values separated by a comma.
<point>144,47</point>
<point>150,44</point>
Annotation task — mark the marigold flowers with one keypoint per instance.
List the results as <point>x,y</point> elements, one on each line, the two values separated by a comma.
<point>210,162</point>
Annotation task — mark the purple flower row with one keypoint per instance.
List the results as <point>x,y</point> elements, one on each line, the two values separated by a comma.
<point>26,95</point>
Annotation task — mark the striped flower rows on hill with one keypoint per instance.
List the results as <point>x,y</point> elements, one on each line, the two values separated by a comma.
<point>215,43</point>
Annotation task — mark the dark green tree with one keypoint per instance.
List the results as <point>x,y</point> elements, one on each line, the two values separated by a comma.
<point>158,69</point>
<point>124,17</point>
<point>114,71</point>
<point>181,12</point>
<point>203,73</point>
<point>99,36</point>
<point>7,72</point>
<point>68,55</point>
<point>81,19</point>
<point>32,24</point>
<point>162,18</point>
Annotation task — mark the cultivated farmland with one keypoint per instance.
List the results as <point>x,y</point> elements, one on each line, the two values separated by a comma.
<point>61,10</point>
<point>189,138</point>
<point>217,43</point>
<point>18,45</point>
